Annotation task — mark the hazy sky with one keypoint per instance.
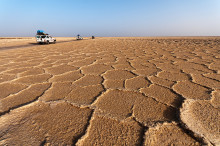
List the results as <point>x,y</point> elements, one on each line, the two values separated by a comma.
<point>110,17</point>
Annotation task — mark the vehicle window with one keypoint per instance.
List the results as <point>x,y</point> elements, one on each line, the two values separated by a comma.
<point>43,36</point>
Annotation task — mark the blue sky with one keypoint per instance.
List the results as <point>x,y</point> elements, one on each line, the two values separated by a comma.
<point>110,17</point>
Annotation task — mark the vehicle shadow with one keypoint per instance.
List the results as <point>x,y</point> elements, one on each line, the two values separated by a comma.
<point>31,45</point>
<point>15,47</point>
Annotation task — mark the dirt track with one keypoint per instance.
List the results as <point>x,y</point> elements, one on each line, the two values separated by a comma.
<point>112,91</point>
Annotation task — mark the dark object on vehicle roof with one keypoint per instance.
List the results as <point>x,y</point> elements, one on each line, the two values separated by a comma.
<point>41,32</point>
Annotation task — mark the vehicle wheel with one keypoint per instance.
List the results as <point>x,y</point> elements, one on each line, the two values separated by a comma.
<point>48,42</point>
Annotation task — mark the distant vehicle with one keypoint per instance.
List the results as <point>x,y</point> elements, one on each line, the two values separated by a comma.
<point>79,37</point>
<point>93,37</point>
<point>43,38</point>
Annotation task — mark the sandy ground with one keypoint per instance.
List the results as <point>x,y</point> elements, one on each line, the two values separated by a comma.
<point>110,91</point>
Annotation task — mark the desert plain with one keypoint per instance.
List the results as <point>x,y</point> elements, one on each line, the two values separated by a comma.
<point>110,91</point>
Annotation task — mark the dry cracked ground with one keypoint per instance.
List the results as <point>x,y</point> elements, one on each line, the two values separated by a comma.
<point>112,91</point>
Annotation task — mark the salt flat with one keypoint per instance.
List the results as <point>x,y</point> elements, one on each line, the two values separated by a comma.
<point>111,91</point>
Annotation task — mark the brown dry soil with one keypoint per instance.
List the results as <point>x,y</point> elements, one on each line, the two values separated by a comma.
<point>111,91</point>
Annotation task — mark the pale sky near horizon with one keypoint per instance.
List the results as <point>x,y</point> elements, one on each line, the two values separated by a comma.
<point>68,18</point>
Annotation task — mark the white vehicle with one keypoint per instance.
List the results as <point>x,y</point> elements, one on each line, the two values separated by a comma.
<point>45,39</point>
<point>79,37</point>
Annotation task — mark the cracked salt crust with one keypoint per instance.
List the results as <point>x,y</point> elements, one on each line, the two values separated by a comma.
<point>73,92</point>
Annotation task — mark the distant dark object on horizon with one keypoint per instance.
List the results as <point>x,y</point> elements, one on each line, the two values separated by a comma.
<point>93,37</point>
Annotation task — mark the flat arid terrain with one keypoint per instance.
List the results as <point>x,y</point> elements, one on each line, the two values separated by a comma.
<point>110,91</point>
